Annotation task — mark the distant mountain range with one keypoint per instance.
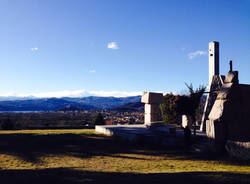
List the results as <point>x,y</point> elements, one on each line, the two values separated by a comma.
<point>54,104</point>
<point>131,107</point>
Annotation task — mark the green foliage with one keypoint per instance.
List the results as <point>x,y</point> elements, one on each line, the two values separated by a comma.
<point>169,109</point>
<point>99,120</point>
<point>175,105</point>
<point>194,99</point>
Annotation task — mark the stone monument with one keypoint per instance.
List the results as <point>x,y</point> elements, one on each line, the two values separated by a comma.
<point>152,115</point>
<point>228,125</point>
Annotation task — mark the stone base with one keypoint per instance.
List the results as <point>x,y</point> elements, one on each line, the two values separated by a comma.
<point>154,124</point>
<point>162,135</point>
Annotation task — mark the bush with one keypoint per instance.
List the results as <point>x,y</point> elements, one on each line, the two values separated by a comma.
<point>99,120</point>
<point>175,105</point>
<point>169,109</point>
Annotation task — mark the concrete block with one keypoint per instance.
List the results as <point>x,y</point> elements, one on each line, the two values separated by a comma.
<point>151,108</point>
<point>152,98</point>
<point>151,117</point>
<point>186,121</point>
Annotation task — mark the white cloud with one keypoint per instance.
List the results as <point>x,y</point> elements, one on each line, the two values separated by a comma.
<point>197,53</point>
<point>113,45</point>
<point>92,71</point>
<point>34,49</point>
<point>113,93</point>
<point>74,93</point>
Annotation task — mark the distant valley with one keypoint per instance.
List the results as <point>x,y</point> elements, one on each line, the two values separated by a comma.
<point>55,104</point>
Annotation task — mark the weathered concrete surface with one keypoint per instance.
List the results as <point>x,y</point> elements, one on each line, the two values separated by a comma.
<point>217,82</point>
<point>152,98</point>
<point>239,117</point>
<point>152,110</point>
<point>213,58</point>
<point>162,135</point>
<point>151,113</point>
<point>216,132</point>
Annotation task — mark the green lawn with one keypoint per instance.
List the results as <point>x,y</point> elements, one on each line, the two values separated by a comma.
<point>82,156</point>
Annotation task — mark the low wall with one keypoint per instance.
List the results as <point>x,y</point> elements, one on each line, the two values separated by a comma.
<point>238,149</point>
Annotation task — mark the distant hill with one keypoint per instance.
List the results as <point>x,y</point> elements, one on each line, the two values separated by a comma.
<point>50,104</point>
<point>104,102</point>
<point>72,108</point>
<point>131,107</point>
<point>54,104</point>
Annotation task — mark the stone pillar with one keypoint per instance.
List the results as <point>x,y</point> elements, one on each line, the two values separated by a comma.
<point>152,102</point>
<point>213,60</point>
<point>215,80</point>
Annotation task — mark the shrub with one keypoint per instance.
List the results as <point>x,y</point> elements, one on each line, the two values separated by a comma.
<point>99,120</point>
<point>169,109</point>
<point>175,105</point>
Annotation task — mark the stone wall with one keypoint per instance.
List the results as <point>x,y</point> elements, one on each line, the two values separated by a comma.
<point>238,149</point>
<point>239,114</point>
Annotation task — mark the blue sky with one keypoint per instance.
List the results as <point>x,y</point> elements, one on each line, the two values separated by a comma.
<point>105,46</point>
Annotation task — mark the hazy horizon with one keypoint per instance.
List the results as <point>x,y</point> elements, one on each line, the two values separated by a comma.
<point>76,93</point>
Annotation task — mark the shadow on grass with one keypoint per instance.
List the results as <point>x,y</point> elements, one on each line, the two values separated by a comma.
<point>31,147</point>
<point>70,176</point>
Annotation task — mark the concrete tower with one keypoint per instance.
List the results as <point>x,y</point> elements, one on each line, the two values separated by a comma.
<point>213,60</point>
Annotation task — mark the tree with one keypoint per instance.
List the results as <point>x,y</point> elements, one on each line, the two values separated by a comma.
<point>169,109</point>
<point>194,101</point>
<point>99,120</point>
<point>175,105</point>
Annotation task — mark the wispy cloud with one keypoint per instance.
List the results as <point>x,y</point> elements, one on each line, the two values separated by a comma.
<point>92,71</point>
<point>34,49</point>
<point>113,45</point>
<point>74,93</point>
<point>197,53</point>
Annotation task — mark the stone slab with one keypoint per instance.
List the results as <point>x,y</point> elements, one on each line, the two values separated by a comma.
<point>162,135</point>
<point>152,98</point>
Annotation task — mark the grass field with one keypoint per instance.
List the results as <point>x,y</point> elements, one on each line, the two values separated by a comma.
<point>82,156</point>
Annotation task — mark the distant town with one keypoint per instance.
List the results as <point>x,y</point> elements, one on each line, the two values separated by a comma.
<point>66,119</point>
